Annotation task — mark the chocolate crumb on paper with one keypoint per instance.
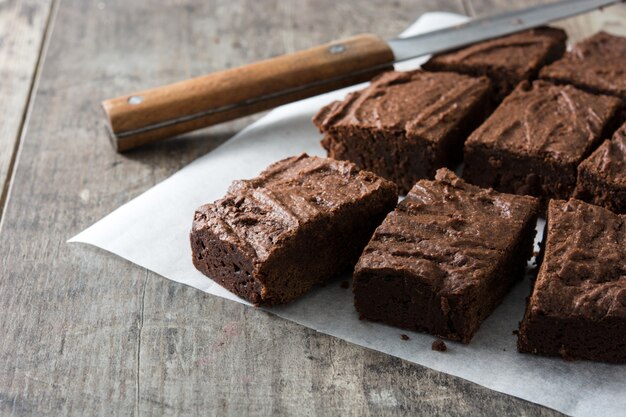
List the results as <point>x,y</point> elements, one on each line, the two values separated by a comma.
<point>404,337</point>
<point>439,345</point>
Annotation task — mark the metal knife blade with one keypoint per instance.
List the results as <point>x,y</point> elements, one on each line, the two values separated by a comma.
<point>489,27</point>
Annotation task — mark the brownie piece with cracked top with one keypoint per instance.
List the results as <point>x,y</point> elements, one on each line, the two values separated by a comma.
<point>301,221</point>
<point>602,176</point>
<point>596,64</point>
<point>507,60</point>
<point>445,257</point>
<point>534,141</point>
<point>405,125</point>
<point>577,309</point>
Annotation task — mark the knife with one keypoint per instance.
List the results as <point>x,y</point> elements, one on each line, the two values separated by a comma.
<point>151,115</point>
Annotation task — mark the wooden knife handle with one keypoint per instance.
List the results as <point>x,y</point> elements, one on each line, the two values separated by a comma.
<point>159,113</point>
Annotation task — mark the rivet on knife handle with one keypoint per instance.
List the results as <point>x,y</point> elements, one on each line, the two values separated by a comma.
<point>148,116</point>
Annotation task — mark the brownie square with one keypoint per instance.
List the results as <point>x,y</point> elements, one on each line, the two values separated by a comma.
<point>445,258</point>
<point>301,221</point>
<point>405,125</point>
<point>533,142</point>
<point>602,176</point>
<point>577,309</point>
<point>507,60</point>
<point>596,64</point>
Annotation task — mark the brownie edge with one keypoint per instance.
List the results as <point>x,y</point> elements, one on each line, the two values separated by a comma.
<point>577,309</point>
<point>534,141</point>
<point>442,261</point>
<point>595,64</point>
<point>602,176</point>
<point>301,221</point>
<point>405,125</point>
<point>507,60</point>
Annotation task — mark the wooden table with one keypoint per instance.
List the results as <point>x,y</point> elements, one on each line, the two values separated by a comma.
<point>83,332</point>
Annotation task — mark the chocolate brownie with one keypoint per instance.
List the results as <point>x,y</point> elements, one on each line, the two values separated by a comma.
<point>405,125</point>
<point>445,258</point>
<point>577,309</point>
<point>602,176</point>
<point>301,221</point>
<point>596,64</point>
<point>533,142</point>
<point>507,60</point>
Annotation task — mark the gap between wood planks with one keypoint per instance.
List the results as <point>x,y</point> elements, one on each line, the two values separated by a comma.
<point>468,8</point>
<point>45,40</point>
<point>140,327</point>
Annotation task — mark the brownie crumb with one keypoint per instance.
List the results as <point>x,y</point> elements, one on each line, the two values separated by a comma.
<point>404,337</point>
<point>439,345</point>
<point>361,317</point>
<point>345,285</point>
<point>515,332</point>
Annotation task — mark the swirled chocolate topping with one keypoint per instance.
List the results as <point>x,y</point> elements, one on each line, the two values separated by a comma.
<point>405,125</point>
<point>506,60</point>
<point>578,305</point>
<point>445,257</point>
<point>561,123</point>
<point>301,221</point>
<point>602,176</point>
<point>419,103</point>
<point>584,270</point>
<point>609,160</point>
<point>596,64</point>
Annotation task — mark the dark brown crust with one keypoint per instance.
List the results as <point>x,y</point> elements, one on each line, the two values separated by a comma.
<point>525,147</point>
<point>406,125</point>
<point>506,61</point>
<point>445,258</point>
<point>302,221</point>
<point>578,306</point>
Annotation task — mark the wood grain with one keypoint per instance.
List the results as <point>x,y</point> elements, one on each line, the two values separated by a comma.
<point>22,27</point>
<point>165,111</point>
<point>86,333</point>
<point>610,19</point>
<point>486,7</point>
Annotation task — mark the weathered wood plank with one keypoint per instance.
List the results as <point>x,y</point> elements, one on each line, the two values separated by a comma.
<point>84,332</point>
<point>610,19</point>
<point>22,27</point>
<point>486,7</point>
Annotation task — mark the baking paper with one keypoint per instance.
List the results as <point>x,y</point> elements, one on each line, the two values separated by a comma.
<point>153,231</point>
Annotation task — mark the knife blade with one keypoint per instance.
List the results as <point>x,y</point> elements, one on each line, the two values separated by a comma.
<point>151,115</point>
<point>489,27</point>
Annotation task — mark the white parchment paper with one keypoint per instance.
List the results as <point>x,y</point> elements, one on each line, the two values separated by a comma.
<point>160,242</point>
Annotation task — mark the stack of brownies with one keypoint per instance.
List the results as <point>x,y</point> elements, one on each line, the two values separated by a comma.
<point>529,122</point>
